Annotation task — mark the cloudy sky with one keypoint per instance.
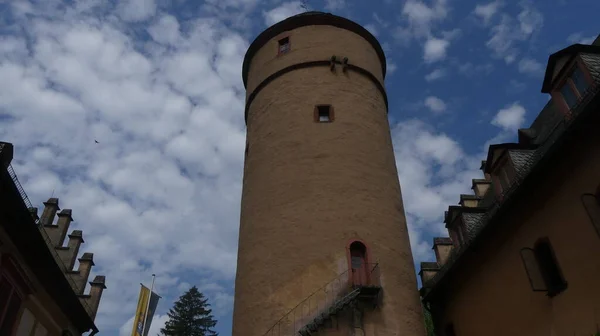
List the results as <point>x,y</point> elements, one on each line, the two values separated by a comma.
<point>158,84</point>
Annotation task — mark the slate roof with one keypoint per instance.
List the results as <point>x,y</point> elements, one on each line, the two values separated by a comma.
<point>553,127</point>
<point>528,156</point>
<point>592,62</point>
<point>522,160</point>
<point>545,121</point>
<point>473,223</point>
<point>569,51</point>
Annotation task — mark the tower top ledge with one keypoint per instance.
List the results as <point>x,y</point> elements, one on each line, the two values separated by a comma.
<point>312,18</point>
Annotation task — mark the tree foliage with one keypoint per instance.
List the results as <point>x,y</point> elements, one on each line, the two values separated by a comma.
<point>428,322</point>
<point>190,316</point>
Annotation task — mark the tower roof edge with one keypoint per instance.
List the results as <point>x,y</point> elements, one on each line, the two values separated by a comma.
<point>312,18</point>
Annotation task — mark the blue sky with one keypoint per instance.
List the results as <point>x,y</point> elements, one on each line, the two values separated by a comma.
<point>158,84</point>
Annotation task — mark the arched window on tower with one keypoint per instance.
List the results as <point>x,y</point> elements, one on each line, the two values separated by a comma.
<point>358,264</point>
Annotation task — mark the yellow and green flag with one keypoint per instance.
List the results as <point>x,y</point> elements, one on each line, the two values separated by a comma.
<point>144,312</point>
<point>140,312</point>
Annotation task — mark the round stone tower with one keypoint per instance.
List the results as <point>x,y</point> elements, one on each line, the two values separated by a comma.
<point>323,239</point>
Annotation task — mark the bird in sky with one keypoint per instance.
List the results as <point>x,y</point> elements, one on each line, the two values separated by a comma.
<point>96,141</point>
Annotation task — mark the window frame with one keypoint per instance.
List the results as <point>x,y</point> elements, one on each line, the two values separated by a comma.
<point>317,113</point>
<point>552,289</point>
<point>458,230</point>
<point>591,205</point>
<point>367,259</point>
<point>279,45</point>
<point>503,174</point>
<point>14,292</point>
<point>566,81</point>
<point>15,276</point>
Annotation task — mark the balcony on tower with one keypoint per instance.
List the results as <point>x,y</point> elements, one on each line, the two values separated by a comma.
<point>357,288</point>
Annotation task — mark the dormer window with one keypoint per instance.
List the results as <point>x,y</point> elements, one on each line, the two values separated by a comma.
<point>502,176</point>
<point>457,232</point>
<point>574,87</point>
<point>568,95</point>
<point>284,45</point>
<point>579,80</point>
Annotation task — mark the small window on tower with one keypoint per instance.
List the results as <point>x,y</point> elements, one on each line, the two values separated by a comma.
<point>323,113</point>
<point>284,45</point>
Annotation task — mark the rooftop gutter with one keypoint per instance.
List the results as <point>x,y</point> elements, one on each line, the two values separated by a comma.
<point>517,190</point>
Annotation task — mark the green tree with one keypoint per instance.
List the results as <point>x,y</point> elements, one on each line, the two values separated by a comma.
<point>428,322</point>
<point>190,316</point>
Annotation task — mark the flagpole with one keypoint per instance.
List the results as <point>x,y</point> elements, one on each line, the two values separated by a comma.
<point>148,305</point>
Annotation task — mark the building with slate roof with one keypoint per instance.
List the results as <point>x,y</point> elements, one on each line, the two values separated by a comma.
<point>522,253</point>
<point>41,291</point>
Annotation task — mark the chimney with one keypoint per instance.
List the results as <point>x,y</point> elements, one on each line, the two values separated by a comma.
<point>442,248</point>
<point>85,266</point>
<point>480,187</point>
<point>427,272</point>
<point>64,221</point>
<point>93,299</point>
<point>34,213</point>
<point>69,254</point>
<point>6,154</point>
<point>50,208</point>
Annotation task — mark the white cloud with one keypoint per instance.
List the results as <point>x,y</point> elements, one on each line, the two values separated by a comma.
<point>434,170</point>
<point>162,187</point>
<point>530,20</point>
<point>451,34</point>
<point>435,104</point>
<point>469,69</point>
<point>420,14</point>
<point>510,118</point>
<point>435,75</point>
<point>158,189</point>
<point>282,12</point>
<point>419,19</point>
<point>435,50</point>
<point>380,21</point>
<point>511,31</point>
<point>333,5</point>
<point>137,10</point>
<point>580,38</point>
<point>487,11</point>
<point>372,29</point>
<point>530,66</point>
<point>391,67</point>
<point>166,30</point>
<point>158,322</point>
